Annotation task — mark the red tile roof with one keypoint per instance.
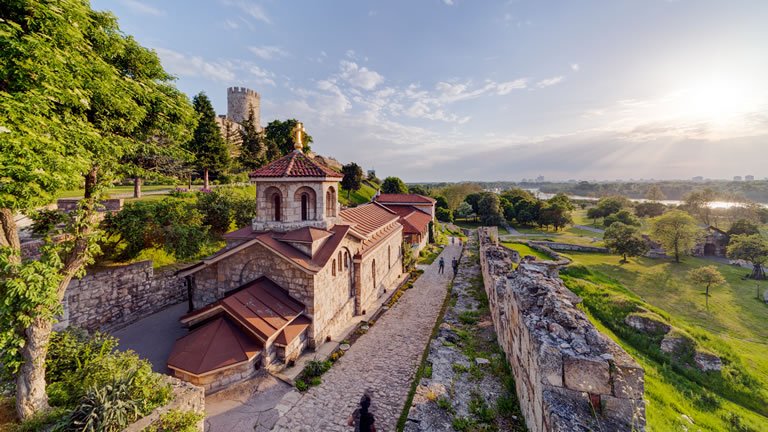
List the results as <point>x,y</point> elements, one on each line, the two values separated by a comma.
<point>419,220</point>
<point>369,218</point>
<point>306,235</point>
<point>215,345</point>
<point>404,199</point>
<point>295,164</point>
<point>292,330</point>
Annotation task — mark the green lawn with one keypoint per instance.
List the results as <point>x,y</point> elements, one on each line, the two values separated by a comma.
<point>360,196</point>
<point>734,327</point>
<point>75,193</point>
<point>524,249</point>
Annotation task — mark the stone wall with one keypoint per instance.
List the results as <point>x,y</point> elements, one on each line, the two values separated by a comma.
<point>110,298</point>
<point>186,397</point>
<point>569,247</point>
<point>70,204</point>
<point>568,376</point>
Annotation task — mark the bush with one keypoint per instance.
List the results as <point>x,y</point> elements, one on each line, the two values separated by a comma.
<point>301,385</point>
<point>444,214</point>
<point>44,221</point>
<point>176,421</point>
<point>109,408</point>
<point>215,207</point>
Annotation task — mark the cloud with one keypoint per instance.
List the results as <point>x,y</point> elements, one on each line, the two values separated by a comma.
<point>361,77</point>
<point>507,87</point>
<point>250,8</point>
<point>550,81</point>
<point>449,2</point>
<point>142,8</point>
<point>268,52</point>
<point>575,67</point>
<point>231,24</point>
<point>194,66</point>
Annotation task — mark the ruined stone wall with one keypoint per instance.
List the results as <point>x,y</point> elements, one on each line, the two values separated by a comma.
<point>107,299</point>
<point>569,247</point>
<point>568,376</point>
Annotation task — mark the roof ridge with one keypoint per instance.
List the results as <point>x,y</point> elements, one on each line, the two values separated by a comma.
<point>208,348</point>
<point>291,162</point>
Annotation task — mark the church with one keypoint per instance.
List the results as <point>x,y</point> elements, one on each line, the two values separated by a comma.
<point>296,277</point>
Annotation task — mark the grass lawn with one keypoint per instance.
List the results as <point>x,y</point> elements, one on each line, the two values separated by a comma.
<point>734,327</point>
<point>76,193</point>
<point>360,196</point>
<point>523,249</point>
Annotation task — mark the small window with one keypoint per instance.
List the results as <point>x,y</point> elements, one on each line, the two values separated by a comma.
<point>333,268</point>
<point>339,260</point>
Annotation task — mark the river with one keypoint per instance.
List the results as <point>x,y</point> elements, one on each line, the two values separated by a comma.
<point>714,204</point>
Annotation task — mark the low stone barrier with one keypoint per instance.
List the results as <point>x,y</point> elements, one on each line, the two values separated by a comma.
<point>111,298</point>
<point>568,376</point>
<point>569,247</point>
<point>107,205</point>
<point>186,397</point>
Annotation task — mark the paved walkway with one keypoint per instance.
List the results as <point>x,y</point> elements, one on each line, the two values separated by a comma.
<point>383,361</point>
<point>590,228</point>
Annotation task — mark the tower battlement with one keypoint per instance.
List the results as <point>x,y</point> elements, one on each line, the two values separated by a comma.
<point>240,101</point>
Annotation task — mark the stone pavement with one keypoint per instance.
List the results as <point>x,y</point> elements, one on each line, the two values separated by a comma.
<point>384,361</point>
<point>246,406</point>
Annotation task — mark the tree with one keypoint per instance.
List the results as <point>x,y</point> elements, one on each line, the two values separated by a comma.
<point>464,210</point>
<point>752,248</point>
<point>280,136</point>
<point>473,200</point>
<point>708,276</point>
<point>610,205</point>
<point>676,231</point>
<point>743,226</point>
<point>419,190</point>
<point>697,203</point>
<point>649,209</point>
<point>253,149</point>
<point>393,185</point>
<point>655,194</point>
<point>77,96</point>
<point>594,213</point>
<point>353,177</point>
<point>440,202</point>
<point>371,176</point>
<point>556,212</point>
<point>489,209</point>
<point>623,216</point>
<point>456,193</point>
<point>153,159</point>
<point>527,211</point>
<point>207,144</point>
<point>444,214</point>
<point>625,240</point>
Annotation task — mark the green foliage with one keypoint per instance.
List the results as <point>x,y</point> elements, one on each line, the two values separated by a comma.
<point>353,177</point>
<point>469,317</point>
<point>752,248</point>
<point>253,149</point>
<point>654,194</point>
<point>207,144</point>
<point>279,136</point>
<point>444,404</point>
<point>176,421</point>
<point>444,214</point>
<point>301,385</point>
<point>409,260</point>
<point>45,220</point>
<point>742,227</point>
<point>676,231</point>
<point>479,408</point>
<point>622,216</point>
<point>109,408</point>
<point>393,185</point>
<point>441,201</point>
<point>625,240</point>
<point>708,276</point>
<point>72,348</point>
<point>225,206</point>
<point>489,209</point>
<point>649,209</point>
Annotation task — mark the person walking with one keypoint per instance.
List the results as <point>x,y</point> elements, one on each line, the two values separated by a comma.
<point>441,265</point>
<point>361,418</point>
<point>455,265</point>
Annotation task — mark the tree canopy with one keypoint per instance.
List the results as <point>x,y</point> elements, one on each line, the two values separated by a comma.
<point>207,144</point>
<point>280,135</point>
<point>752,248</point>
<point>393,185</point>
<point>353,177</point>
<point>625,240</point>
<point>676,231</point>
<point>709,276</point>
<point>253,149</point>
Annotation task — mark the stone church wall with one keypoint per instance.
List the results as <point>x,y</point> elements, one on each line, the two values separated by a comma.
<point>389,268</point>
<point>565,370</point>
<point>107,299</point>
<point>334,302</point>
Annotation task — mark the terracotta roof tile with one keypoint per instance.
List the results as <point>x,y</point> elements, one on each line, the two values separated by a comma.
<point>217,344</point>
<point>306,235</point>
<point>404,199</point>
<point>418,219</point>
<point>295,164</point>
<point>369,218</point>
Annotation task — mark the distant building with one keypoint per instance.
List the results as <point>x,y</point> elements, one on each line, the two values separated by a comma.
<point>698,179</point>
<point>540,179</point>
<point>240,102</point>
<point>714,243</point>
<point>749,178</point>
<point>736,178</point>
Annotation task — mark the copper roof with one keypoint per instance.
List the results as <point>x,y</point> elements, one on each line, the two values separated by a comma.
<point>215,345</point>
<point>404,199</point>
<point>369,218</point>
<point>292,330</point>
<point>306,235</point>
<point>295,164</point>
<point>418,220</point>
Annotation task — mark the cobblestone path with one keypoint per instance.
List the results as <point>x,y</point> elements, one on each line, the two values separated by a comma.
<point>384,361</point>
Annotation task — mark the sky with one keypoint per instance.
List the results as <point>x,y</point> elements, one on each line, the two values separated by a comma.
<point>455,90</point>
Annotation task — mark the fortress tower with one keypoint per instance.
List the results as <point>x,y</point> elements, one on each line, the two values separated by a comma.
<point>239,101</point>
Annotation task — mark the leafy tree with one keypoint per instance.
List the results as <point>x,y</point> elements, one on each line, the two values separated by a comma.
<point>708,276</point>
<point>253,149</point>
<point>655,194</point>
<point>419,190</point>
<point>513,195</point>
<point>353,177</point>
<point>444,214</point>
<point>489,209</point>
<point>697,203</point>
<point>676,231</point>
<point>456,193</point>
<point>623,216</point>
<point>527,211</point>
<point>441,202</point>
<point>625,240</point>
<point>752,248</point>
<point>371,176</point>
<point>610,205</point>
<point>594,213</point>
<point>280,136</point>
<point>473,200</point>
<point>464,210</point>
<point>743,226</point>
<point>649,209</point>
<point>154,159</point>
<point>556,212</point>
<point>393,185</point>
<point>207,144</point>
<point>76,97</point>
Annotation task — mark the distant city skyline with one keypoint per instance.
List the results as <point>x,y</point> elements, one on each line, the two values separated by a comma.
<point>450,90</point>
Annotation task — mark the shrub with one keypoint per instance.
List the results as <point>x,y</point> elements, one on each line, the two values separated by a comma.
<point>106,408</point>
<point>44,221</point>
<point>301,385</point>
<point>444,214</point>
<point>176,421</point>
<point>216,208</point>
<point>316,381</point>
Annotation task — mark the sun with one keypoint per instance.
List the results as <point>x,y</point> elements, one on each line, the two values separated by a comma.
<point>716,100</point>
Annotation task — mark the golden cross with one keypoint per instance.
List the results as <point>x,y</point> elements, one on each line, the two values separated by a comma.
<point>298,145</point>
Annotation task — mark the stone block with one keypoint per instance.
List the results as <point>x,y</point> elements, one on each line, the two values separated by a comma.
<point>628,381</point>
<point>587,375</point>
<point>551,365</point>
<point>625,414</point>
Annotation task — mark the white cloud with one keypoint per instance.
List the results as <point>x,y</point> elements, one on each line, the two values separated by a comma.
<point>448,2</point>
<point>507,87</point>
<point>550,81</point>
<point>142,8</point>
<point>250,8</point>
<point>231,24</point>
<point>194,66</point>
<point>267,52</point>
<point>575,67</point>
<point>360,76</point>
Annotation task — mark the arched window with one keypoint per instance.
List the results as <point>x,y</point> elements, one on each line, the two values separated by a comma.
<point>330,202</point>
<point>340,261</point>
<point>276,203</point>
<point>389,256</point>
<point>304,207</point>
<point>373,273</point>
<point>333,268</point>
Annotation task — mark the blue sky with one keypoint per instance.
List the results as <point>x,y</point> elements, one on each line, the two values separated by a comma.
<point>450,90</point>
